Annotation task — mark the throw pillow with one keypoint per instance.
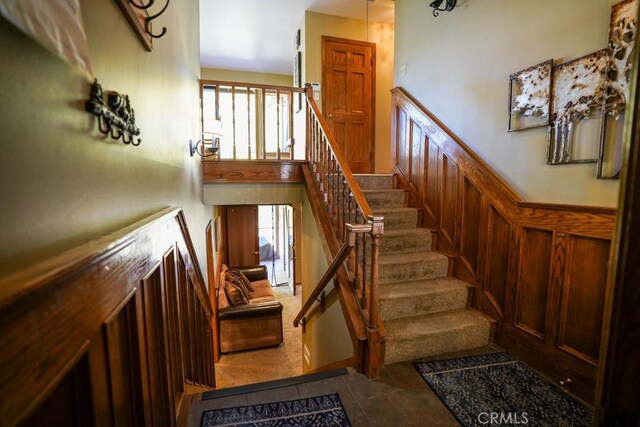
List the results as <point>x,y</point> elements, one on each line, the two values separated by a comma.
<point>241,276</point>
<point>235,294</point>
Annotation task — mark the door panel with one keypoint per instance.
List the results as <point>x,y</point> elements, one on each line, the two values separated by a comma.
<point>348,82</point>
<point>242,235</point>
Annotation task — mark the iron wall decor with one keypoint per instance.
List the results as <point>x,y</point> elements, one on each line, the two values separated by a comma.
<point>116,118</point>
<point>622,36</point>
<point>448,7</point>
<point>530,97</point>
<point>138,15</point>
<point>578,95</point>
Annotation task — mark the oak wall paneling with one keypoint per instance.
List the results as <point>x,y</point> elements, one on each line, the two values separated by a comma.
<point>538,269</point>
<point>94,334</point>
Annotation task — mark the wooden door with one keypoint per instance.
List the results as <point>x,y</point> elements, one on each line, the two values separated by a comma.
<point>242,235</point>
<point>348,81</point>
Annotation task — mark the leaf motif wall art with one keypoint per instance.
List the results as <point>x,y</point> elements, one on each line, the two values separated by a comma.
<point>529,97</point>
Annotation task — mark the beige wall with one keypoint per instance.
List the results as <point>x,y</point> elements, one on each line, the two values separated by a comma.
<point>246,77</point>
<point>315,26</point>
<point>458,66</point>
<point>327,337</point>
<point>61,182</point>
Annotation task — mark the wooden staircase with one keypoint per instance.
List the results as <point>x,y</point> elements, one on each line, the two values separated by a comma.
<point>423,309</point>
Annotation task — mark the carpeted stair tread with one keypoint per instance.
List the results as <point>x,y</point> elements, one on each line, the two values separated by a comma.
<point>374,181</point>
<point>398,217</point>
<point>417,298</point>
<point>403,240</point>
<point>405,267</point>
<point>386,198</point>
<point>422,336</point>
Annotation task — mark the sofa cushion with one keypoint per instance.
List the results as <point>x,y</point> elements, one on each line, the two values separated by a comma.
<point>235,294</point>
<point>261,299</point>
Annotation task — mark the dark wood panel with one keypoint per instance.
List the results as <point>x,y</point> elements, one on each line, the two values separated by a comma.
<point>583,293</point>
<point>449,204</point>
<point>497,259</point>
<point>533,281</point>
<point>416,177</point>
<point>125,369</point>
<point>254,171</point>
<point>402,146</point>
<point>470,227</point>
<point>431,199</point>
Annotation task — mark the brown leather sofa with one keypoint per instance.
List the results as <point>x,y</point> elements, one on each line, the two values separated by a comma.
<point>253,325</point>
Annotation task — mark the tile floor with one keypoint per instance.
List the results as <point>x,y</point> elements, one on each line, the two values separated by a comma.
<point>399,397</point>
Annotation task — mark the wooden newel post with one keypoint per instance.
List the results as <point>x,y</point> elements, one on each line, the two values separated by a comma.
<point>375,341</point>
<point>377,228</point>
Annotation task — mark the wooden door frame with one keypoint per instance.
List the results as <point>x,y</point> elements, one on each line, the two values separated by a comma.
<point>617,396</point>
<point>326,39</point>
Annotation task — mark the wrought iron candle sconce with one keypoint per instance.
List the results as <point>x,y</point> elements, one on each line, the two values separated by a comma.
<point>206,147</point>
<point>448,7</point>
<point>116,118</point>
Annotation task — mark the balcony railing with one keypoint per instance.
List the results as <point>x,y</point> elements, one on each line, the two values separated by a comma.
<point>253,121</point>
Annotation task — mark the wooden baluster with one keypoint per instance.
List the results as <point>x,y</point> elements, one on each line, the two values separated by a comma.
<point>377,229</point>
<point>365,276</point>
<point>291,136</point>
<point>249,121</point>
<point>356,273</point>
<point>278,122</point>
<point>233,118</point>
<point>264,124</point>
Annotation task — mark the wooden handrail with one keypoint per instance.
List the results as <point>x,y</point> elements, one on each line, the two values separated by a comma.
<point>345,207</point>
<point>251,85</point>
<point>341,159</point>
<point>339,259</point>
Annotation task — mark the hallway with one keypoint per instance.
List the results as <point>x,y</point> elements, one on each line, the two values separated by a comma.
<point>253,366</point>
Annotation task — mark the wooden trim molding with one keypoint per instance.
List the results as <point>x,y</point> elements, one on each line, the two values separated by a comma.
<point>119,318</point>
<point>538,269</point>
<point>251,171</point>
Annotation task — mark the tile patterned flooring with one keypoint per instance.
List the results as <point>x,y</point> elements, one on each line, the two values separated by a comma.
<point>399,397</point>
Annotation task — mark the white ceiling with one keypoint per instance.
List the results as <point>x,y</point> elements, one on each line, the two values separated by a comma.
<point>258,35</point>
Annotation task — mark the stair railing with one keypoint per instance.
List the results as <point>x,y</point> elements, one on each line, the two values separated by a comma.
<point>353,223</point>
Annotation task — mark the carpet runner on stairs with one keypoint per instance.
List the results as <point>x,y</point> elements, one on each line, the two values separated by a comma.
<point>424,311</point>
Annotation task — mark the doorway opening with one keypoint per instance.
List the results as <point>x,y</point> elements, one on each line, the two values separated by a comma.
<point>275,243</point>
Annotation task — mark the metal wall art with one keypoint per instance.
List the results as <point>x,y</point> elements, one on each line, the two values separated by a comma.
<point>448,7</point>
<point>578,95</point>
<point>530,96</point>
<point>622,35</point>
<point>116,118</point>
<point>138,13</point>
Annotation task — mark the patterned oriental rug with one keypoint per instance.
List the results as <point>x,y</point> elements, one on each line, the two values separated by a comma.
<point>497,389</point>
<point>313,411</point>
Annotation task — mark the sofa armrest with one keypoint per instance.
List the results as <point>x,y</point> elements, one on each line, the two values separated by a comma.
<point>254,272</point>
<point>250,310</point>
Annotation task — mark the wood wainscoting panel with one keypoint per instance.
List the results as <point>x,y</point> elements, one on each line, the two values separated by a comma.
<point>497,259</point>
<point>402,147</point>
<point>449,204</point>
<point>431,199</point>
<point>583,293</point>
<point>537,269</point>
<point>533,281</point>
<point>93,330</point>
<point>416,175</point>
<point>471,207</point>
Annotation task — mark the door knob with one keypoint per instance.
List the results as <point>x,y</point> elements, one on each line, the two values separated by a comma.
<point>331,115</point>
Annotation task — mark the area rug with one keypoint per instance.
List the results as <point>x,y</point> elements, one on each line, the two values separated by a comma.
<point>312,411</point>
<point>497,389</point>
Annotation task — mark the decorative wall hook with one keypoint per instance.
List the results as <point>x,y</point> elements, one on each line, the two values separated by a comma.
<point>116,118</point>
<point>448,7</point>
<point>150,18</point>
